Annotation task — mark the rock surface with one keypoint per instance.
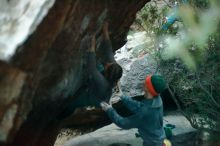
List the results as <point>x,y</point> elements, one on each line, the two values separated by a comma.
<point>112,134</point>
<point>51,58</point>
<point>133,79</point>
<point>106,136</point>
<point>137,59</point>
<point>136,64</point>
<point>18,19</point>
<point>11,83</point>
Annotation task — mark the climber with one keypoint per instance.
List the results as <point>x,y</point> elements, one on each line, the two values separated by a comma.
<point>102,75</point>
<point>147,114</point>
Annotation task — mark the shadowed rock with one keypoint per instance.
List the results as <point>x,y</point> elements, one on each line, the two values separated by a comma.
<point>52,61</point>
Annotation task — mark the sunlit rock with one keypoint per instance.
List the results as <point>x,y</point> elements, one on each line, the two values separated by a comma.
<point>18,19</point>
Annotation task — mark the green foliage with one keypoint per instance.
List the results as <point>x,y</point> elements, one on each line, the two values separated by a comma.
<point>188,54</point>
<point>198,91</point>
<point>200,3</point>
<point>150,20</point>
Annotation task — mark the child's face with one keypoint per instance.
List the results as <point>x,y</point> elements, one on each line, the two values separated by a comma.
<point>147,93</point>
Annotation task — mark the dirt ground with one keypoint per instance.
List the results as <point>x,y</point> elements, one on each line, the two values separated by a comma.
<point>64,135</point>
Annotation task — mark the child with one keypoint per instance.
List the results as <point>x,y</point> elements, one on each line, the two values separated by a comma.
<point>147,114</point>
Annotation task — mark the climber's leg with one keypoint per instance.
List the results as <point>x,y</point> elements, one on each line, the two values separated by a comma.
<point>72,104</point>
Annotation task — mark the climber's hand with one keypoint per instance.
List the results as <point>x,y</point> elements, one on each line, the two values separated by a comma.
<point>105,30</point>
<point>105,106</point>
<point>92,47</point>
<point>91,44</point>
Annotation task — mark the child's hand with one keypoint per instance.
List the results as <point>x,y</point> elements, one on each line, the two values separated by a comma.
<point>105,106</point>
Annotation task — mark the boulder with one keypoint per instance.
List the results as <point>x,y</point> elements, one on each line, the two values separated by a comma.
<point>182,134</point>
<point>49,62</point>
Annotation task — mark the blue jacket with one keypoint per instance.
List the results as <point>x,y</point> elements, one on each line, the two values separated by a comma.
<point>147,118</point>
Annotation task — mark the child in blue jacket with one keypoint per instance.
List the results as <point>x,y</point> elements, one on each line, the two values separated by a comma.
<point>147,114</point>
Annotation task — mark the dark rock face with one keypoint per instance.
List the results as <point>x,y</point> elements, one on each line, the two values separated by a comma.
<point>11,82</point>
<point>52,61</point>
